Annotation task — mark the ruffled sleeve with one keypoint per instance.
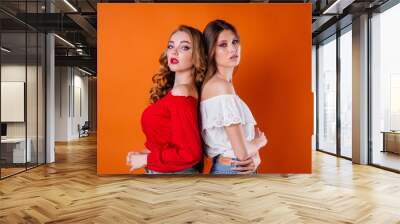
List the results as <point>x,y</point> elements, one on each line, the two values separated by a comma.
<point>224,110</point>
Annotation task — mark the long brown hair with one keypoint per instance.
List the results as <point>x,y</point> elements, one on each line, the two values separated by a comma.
<point>164,79</point>
<point>211,34</point>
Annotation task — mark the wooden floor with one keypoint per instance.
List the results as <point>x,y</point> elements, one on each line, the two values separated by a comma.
<point>5,172</point>
<point>69,191</point>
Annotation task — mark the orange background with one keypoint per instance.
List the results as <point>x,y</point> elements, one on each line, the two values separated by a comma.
<point>273,78</point>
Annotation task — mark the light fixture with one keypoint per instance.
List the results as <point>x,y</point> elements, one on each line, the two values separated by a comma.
<point>84,71</point>
<point>64,40</point>
<point>79,51</point>
<point>5,50</point>
<point>70,5</point>
<point>337,7</point>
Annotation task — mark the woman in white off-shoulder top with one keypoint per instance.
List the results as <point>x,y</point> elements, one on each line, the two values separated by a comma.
<point>227,124</point>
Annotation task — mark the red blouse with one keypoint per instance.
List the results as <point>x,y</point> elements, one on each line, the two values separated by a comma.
<point>172,133</point>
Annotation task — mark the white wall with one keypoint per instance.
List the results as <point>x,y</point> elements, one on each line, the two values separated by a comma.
<point>61,103</point>
<point>71,87</point>
<point>81,84</point>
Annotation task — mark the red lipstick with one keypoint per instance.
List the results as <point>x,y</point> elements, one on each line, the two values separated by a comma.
<point>174,61</point>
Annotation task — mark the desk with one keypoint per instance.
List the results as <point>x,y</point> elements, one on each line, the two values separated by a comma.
<point>15,148</point>
<point>391,141</point>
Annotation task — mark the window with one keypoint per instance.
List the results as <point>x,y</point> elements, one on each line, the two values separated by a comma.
<point>327,95</point>
<point>385,88</point>
<point>346,93</point>
<point>22,77</point>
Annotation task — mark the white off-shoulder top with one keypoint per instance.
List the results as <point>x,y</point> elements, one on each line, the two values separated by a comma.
<point>219,111</point>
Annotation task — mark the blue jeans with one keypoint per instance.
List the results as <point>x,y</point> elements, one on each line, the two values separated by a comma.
<point>187,171</point>
<point>218,168</point>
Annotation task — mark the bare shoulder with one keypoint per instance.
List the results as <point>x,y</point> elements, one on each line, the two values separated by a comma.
<point>184,90</point>
<point>215,87</point>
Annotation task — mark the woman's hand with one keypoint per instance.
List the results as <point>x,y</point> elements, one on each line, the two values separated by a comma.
<point>247,166</point>
<point>137,159</point>
<point>256,160</point>
<point>260,138</point>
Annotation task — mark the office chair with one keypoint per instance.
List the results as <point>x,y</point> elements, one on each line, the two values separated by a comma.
<point>84,130</point>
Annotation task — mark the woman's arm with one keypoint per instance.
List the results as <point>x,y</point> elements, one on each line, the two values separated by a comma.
<point>243,149</point>
<point>184,146</point>
<point>184,149</point>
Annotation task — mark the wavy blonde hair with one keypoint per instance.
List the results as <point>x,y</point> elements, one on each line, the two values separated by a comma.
<point>164,79</point>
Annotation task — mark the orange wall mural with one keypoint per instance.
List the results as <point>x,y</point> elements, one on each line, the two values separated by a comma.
<point>273,78</point>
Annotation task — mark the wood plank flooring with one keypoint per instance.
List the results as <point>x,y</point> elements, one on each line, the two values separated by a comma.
<point>69,191</point>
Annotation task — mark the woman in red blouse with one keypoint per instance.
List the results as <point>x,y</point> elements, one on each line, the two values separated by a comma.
<point>170,123</point>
